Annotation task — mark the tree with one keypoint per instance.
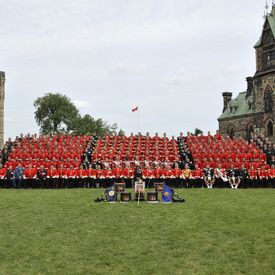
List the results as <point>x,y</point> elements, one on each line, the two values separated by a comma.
<point>197,131</point>
<point>54,112</point>
<point>88,124</point>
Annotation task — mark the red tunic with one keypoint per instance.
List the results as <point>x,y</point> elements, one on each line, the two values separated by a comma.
<point>81,173</point>
<point>128,173</point>
<point>52,173</point>
<point>118,172</point>
<point>177,172</point>
<point>30,173</point>
<point>91,173</point>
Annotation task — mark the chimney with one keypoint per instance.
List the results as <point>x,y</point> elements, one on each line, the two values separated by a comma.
<point>249,89</point>
<point>227,96</point>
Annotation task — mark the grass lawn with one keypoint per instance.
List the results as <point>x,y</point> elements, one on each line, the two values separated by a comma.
<point>216,231</point>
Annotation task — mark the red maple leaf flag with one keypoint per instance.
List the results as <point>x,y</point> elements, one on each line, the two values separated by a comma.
<point>135,109</point>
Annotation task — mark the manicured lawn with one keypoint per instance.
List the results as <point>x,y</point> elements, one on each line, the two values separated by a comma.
<point>216,231</point>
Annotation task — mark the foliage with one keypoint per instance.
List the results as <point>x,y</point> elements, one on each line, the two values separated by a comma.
<point>88,124</point>
<point>54,112</point>
<point>216,231</point>
<point>197,132</point>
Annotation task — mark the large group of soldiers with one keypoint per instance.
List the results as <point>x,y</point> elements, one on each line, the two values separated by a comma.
<point>72,162</point>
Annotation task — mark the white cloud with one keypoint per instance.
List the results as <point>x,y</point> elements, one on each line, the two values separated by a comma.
<point>126,68</point>
<point>81,104</point>
<point>173,83</point>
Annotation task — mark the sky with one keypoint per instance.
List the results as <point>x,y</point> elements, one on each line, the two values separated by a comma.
<point>171,58</point>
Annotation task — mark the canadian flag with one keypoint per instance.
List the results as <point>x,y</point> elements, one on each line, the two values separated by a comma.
<point>135,109</point>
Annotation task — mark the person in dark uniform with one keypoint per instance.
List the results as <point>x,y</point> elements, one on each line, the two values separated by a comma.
<point>96,163</point>
<point>9,177</point>
<point>41,177</point>
<point>244,177</point>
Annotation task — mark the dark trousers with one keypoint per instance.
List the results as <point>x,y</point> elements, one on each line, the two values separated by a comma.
<point>219,182</point>
<point>28,183</point>
<point>70,183</point>
<point>272,181</point>
<point>17,182</point>
<point>90,182</point>
<point>176,182</point>
<point>254,183</point>
<point>51,182</point>
<point>263,183</point>
<point>244,183</point>
<point>186,183</point>
<point>128,182</point>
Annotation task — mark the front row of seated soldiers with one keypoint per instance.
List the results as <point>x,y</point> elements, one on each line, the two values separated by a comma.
<point>71,177</point>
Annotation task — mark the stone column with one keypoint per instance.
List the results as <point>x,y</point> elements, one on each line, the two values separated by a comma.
<point>2,98</point>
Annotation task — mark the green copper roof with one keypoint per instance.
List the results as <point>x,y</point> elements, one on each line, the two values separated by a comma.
<point>271,20</point>
<point>242,107</point>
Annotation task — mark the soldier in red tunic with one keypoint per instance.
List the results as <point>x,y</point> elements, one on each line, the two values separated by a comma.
<point>29,177</point>
<point>177,176</point>
<point>71,176</point>
<point>91,175</point>
<point>253,177</point>
<point>118,173</point>
<point>109,177</point>
<point>128,175</point>
<point>52,176</point>
<point>263,177</point>
<point>3,172</point>
<point>167,174</point>
<point>81,177</point>
<point>197,177</point>
<point>62,174</point>
<point>99,176</point>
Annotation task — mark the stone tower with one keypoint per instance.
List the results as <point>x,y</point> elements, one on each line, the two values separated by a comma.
<point>2,98</point>
<point>253,110</point>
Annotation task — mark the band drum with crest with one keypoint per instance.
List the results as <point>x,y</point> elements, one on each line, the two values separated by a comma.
<point>125,197</point>
<point>152,197</point>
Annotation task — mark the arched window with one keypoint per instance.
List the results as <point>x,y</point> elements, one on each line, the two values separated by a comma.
<point>270,129</point>
<point>268,99</point>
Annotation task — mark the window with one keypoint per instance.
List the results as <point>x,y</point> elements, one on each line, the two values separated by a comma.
<point>231,132</point>
<point>270,129</point>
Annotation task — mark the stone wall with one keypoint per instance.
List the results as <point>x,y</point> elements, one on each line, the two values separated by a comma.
<point>240,125</point>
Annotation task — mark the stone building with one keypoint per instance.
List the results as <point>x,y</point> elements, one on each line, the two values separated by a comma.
<point>2,98</point>
<point>253,110</point>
